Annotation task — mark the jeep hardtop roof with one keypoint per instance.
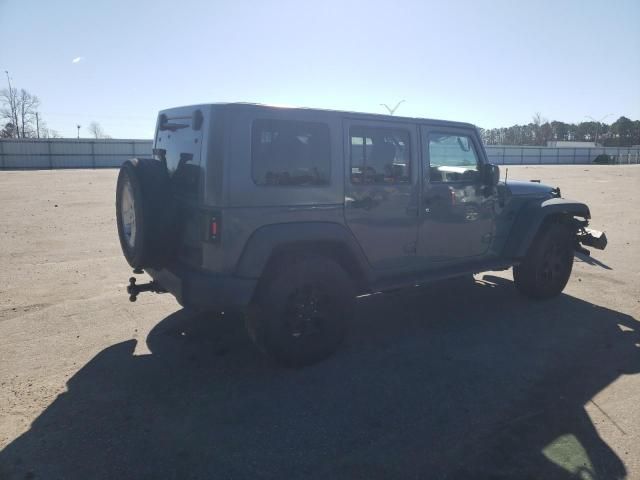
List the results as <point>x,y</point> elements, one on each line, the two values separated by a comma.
<point>359,115</point>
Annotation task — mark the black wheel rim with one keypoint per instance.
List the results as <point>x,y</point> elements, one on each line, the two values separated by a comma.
<point>555,265</point>
<point>307,311</point>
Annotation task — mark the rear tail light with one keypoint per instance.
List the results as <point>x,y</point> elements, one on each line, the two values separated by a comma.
<point>214,228</point>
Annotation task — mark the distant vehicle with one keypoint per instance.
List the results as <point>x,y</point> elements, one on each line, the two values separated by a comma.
<point>288,214</point>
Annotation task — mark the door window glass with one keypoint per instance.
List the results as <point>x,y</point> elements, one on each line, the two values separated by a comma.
<point>380,156</point>
<point>452,158</point>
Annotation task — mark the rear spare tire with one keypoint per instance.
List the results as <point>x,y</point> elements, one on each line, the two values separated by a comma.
<point>145,213</point>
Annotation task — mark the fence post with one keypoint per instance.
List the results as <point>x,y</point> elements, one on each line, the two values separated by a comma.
<point>557,156</point>
<point>49,154</point>
<point>575,151</point>
<point>93,154</point>
<point>539,155</point>
<point>503,152</point>
<point>521,155</point>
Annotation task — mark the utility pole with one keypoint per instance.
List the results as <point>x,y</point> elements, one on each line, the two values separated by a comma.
<point>78,131</point>
<point>37,126</point>
<point>13,106</point>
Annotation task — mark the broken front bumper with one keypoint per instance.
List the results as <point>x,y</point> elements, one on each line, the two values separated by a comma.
<point>592,238</point>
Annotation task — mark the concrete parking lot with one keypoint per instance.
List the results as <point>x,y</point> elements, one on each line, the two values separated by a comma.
<point>457,380</point>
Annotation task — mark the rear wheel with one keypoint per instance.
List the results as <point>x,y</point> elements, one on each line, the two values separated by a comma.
<point>301,312</point>
<point>547,266</point>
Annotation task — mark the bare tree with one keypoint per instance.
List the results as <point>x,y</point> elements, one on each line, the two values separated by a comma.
<point>19,108</point>
<point>96,130</point>
<point>27,110</point>
<point>10,105</point>
<point>46,132</point>
<point>8,131</point>
<point>9,111</point>
<point>49,133</point>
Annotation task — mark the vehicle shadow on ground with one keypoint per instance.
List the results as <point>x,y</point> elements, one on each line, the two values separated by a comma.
<point>461,380</point>
<point>589,260</point>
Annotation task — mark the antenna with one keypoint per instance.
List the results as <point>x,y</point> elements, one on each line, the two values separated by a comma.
<point>506,175</point>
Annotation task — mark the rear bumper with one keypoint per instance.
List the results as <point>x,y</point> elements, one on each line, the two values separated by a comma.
<point>205,291</point>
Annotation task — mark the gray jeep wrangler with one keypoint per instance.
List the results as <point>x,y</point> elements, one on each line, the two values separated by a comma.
<point>289,214</point>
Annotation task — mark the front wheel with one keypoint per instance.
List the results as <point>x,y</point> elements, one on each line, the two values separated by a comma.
<point>302,310</point>
<point>546,268</point>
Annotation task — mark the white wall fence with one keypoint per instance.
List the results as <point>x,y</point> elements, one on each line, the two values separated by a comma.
<point>110,153</point>
<point>517,155</point>
<point>69,153</point>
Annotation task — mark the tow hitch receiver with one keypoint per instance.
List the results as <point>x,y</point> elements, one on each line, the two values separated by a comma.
<point>592,238</point>
<point>134,290</point>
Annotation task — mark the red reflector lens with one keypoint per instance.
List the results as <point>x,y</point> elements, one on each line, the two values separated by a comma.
<point>214,227</point>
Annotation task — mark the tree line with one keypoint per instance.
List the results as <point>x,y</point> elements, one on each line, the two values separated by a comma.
<point>621,133</point>
<point>19,117</point>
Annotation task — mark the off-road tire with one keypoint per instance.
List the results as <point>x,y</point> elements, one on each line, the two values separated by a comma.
<point>547,266</point>
<point>150,189</point>
<point>281,322</point>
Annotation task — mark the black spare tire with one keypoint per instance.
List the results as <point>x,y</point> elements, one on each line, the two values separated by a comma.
<point>145,213</point>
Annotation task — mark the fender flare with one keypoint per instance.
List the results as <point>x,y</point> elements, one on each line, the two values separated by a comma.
<point>270,239</point>
<point>531,218</point>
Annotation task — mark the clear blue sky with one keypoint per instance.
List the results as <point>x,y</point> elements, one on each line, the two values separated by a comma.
<point>492,63</point>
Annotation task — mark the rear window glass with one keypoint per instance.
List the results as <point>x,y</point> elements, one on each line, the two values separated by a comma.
<point>289,152</point>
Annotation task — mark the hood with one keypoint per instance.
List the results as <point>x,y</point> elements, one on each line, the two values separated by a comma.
<point>534,189</point>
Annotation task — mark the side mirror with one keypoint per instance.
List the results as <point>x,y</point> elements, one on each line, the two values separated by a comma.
<point>491,175</point>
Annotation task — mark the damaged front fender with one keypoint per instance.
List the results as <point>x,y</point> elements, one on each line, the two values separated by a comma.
<point>531,218</point>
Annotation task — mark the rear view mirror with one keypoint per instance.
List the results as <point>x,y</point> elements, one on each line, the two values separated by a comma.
<point>491,175</point>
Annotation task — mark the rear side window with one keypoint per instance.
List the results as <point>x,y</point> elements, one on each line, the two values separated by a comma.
<point>380,156</point>
<point>289,152</point>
